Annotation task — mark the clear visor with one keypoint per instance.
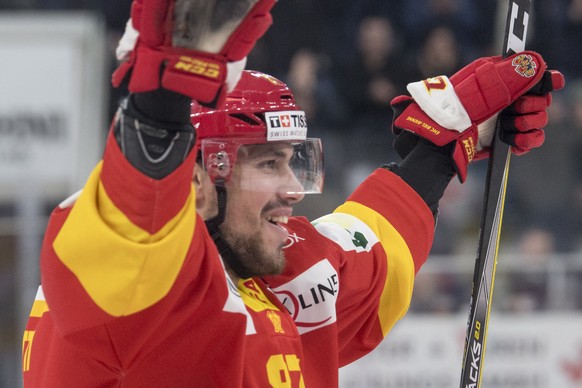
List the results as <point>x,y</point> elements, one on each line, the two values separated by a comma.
<point>291,167</point>
<point>206,25</point>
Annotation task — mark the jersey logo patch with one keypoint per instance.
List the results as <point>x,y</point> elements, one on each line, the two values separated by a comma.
<point>348,231</point>
<point>276,321</point>
<point>360,240</point>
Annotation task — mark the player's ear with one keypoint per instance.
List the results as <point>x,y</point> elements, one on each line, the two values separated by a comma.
<point>201,181</point>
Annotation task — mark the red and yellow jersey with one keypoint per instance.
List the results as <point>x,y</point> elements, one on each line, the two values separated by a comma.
<point>349,275</point>
<point>134,293</point>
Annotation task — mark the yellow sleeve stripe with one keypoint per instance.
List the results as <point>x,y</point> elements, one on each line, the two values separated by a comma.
<point>397,292</point>
<point>118,221</point>
<point>122,268</point>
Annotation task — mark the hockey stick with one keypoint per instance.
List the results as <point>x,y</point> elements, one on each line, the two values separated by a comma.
<point>518,16</point>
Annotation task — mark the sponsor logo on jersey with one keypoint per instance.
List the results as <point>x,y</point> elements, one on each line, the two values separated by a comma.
<point>524,65</point>
<point>359,240</point>
<point>310,297</point>
<point>346,230</point>
<point>292,238</point>
<point>286,125</point>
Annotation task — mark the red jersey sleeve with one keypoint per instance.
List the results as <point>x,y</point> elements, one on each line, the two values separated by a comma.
<point>131,277</point>
<point>119,248</point>
<point>385,231</point>
<point>349,274</point>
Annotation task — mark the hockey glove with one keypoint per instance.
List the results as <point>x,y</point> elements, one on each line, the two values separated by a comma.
<point>461,112</point>
<point>197,48</point>
<point>523,121</point>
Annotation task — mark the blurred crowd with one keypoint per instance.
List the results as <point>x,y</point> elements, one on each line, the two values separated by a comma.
<point>345,61</point>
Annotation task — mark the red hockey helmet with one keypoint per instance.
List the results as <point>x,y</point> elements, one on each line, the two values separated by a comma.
<point>260,110</point>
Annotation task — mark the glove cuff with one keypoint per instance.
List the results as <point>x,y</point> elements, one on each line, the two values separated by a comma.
<point>188,47</point>
<point>197,76</point>
<point>415,120</point>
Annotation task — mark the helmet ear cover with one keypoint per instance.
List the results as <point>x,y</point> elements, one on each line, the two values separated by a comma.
<point>219,159</point>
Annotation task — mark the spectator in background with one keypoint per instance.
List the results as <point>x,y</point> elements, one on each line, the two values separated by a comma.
<point>368,82</point>
<point>561,24</point>
<point>316,93</point>
<point>544,181</point>
<point>438,53</point>
<point>575,117</point>
<point>575,156</point>
<point>470,21</point>
<point>538,224</point>
<point>315,89</point>
<point>374,75</point>
<point>573,36</point>
<point>300,24</point>
<point>347,16</point>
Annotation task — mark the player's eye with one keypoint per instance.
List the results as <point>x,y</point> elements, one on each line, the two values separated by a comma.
<point>268,164</point>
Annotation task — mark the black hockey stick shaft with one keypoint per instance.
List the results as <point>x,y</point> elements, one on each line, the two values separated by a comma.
<point>518,17</point>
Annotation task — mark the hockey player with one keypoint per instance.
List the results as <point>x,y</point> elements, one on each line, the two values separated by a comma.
<point>179,263</point>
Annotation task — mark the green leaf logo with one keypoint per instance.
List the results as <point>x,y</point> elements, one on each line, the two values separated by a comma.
<point>359,240</point>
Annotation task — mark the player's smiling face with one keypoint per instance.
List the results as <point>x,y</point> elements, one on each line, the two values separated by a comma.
<point>261,193</point>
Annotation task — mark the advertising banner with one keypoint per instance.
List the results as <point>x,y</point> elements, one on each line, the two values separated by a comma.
<point>525,351</point>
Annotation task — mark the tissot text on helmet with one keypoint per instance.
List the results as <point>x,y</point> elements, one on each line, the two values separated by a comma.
<point>286,125</point>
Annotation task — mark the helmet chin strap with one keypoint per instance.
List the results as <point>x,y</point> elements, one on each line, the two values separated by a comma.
<point>231,259</point>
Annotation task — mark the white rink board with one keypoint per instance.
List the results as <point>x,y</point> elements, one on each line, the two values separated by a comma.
<point>424,351</point>
<point>52,89</point>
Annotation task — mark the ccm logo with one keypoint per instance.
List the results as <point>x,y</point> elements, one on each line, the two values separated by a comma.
<point>197,66</point>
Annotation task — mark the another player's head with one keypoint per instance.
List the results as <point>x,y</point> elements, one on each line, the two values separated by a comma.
<point>255,162</point>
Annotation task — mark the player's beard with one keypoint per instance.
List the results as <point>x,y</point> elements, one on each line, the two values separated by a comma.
<point>253,257</point>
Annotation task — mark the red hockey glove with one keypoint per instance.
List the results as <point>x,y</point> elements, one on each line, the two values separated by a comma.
<point>523,122</point>
<point>461,112</point>
<point>192,47</point>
